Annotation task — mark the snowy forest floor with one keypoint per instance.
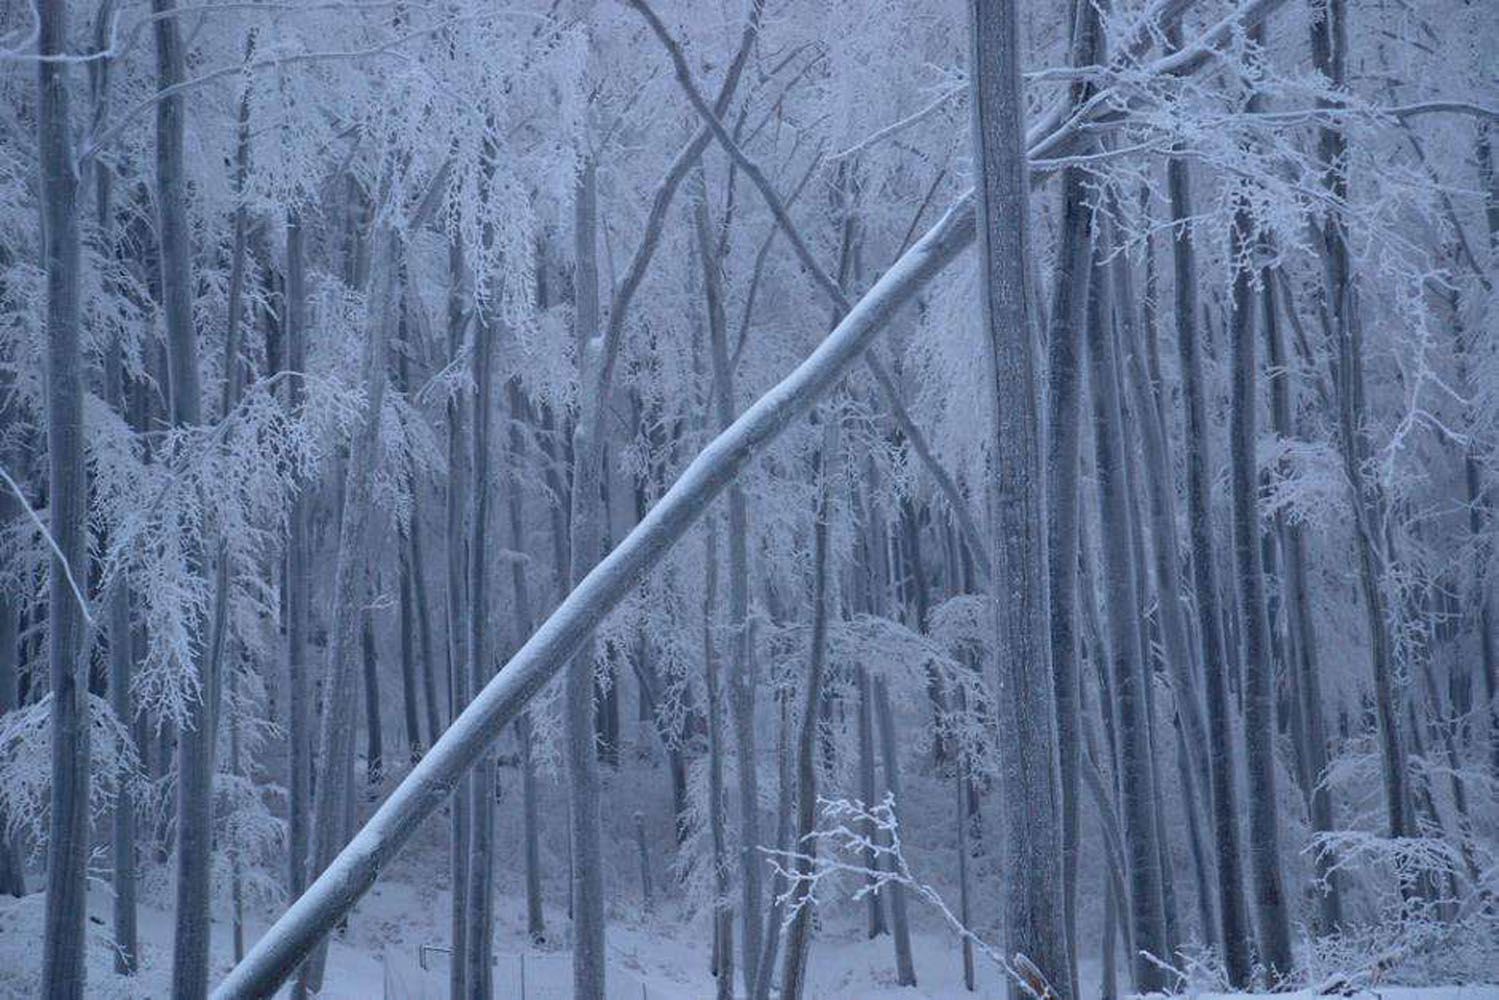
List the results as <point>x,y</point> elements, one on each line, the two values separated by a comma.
<point>379,956</point>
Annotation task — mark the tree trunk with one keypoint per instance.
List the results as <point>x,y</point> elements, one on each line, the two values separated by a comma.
<point>1301,626</point>
<point>12,868</point>
<point>1329,55</point>
<point>1274,922</point>
<point>336,736</point>
<point>525,625</point>
<point>1034,907</point>
<point>905,970</point>
<point>480,934</point>
<point>374,740</point>
<point>1068,314</point>
<point>742,683</point>
<point>723,911</point>
<point>298,582</point>
<point>1147,914</point>
<point>457,645</point>
<point>799,937</point>
<point>1231,909</point>
<point>867,793</point>
<point>587,532</point>
<point>195,742</point>
<point>67,493</point>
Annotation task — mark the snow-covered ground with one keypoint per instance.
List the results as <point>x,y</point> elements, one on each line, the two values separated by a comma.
<point>381,955</point>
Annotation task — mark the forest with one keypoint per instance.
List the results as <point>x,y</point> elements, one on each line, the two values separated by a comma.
<point>749,499</point>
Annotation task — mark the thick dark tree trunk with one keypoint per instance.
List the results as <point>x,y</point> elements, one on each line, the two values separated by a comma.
<point>67,491</point>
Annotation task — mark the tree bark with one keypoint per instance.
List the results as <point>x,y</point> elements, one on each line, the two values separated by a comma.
<point>1231,908</point>
<point>67,490</point>
<point>742,683</point>
<point>799,937</point>
<point>336,736</point>
<point>900,925</point>
<point>723,910</point>
<point>1271,916</point>
<point>1034,907</point>
<point>374,745</point>
<point>1141,836</point>
<point>1301,626</point>
<point>195,743</point>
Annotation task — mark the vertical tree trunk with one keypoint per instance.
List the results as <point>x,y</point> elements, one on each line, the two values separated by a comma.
<point>195,743</point>
<point>480,934</point>
<point>1035,918</point>
<point>298,582</point>
<point>1068,314</point>
<point>1147,914</point>
<point>723,911</point>
<point>410,710</point>
<point>587,531</point>
<point>799,937</point>
<point>867,793</point>
<point>905,970</point>
<point>67,492</point>
<point>374,745</point>
<point>12,870</point>
<point>525,624</point>
<point>1296,596</point>
<point>457,645</point>
<point>336,736</point>
<point>1271,915</point>
<point>1330,56</point>
<point>742,682</point>
<point>1231,909</point>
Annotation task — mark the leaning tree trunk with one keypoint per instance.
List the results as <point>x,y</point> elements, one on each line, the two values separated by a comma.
<point>67,491</point>
<point>1035,918</point>
<point>1141,836</point>
<point>553,645</point>
<point>1271,915</point>
<point>1231,908</point>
